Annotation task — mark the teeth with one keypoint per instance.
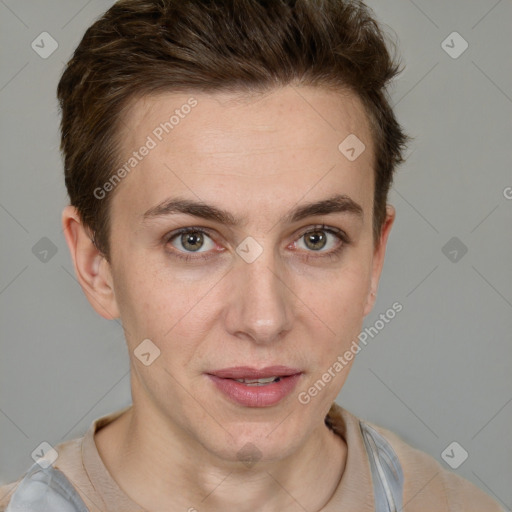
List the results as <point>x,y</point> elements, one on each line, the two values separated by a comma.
<point>259,382</point>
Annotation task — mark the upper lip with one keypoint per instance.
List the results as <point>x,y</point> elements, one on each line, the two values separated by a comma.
<point>246,372</point>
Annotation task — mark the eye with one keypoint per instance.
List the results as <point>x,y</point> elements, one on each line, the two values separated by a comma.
<point>191,240</point>
<point>322,239</point>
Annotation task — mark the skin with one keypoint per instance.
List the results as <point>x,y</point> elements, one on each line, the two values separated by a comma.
<point>257,156</point>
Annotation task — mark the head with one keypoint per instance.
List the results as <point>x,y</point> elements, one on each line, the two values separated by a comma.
<point>231,118</point>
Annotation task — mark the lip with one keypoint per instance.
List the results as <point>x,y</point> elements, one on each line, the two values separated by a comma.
<point>255,396</point>
<point>247,372</point>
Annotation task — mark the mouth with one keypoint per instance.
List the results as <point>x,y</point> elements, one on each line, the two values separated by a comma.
<point>251,387</point>
<point>258,382</point>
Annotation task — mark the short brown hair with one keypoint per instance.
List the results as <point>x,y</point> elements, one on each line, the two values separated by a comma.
<point>141,47</point>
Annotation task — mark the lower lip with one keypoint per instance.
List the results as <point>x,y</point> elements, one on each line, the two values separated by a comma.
<point>256,396</point>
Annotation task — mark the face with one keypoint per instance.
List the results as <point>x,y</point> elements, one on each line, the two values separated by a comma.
<point>260,278</point>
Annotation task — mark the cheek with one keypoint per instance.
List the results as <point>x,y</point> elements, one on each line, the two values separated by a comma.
<point>159,306</point>
<point>338,305</point>
<point>342,293</point>
<point>139,298</point>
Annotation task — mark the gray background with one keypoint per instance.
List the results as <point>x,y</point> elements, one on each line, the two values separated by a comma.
<point>438,372</point>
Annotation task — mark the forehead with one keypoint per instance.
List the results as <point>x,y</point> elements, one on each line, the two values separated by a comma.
<point>234,146</point>
<point>302,112</point>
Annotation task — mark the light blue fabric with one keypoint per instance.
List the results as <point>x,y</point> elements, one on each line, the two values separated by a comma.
<point>45,490</point>
<point>387,475</point>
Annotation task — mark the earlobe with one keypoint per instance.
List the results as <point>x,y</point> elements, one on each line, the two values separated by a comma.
<point>378,259</point>
<point>370,301</point>
<point>92,270</point>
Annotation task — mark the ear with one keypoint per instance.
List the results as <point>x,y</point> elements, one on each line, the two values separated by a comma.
<point>378,259</point>
<point>91,267</point>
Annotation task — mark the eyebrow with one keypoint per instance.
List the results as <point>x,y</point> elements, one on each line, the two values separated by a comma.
<point>338,203</point>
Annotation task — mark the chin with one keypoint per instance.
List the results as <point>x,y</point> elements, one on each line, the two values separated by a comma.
<point>251,442</point>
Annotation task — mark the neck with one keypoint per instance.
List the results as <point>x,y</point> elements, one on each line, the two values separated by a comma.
<point>164,469</point>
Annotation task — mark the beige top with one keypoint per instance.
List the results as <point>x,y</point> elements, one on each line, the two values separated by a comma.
<point>427,485</point>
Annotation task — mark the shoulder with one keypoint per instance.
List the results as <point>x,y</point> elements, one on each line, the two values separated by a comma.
<point>426,482</point>
<point>63,483</point>
<point>46,486</point>
<point>6,492</point>
<point>42,489</point>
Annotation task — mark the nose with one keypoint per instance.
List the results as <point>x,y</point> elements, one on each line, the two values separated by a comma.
<point>260,307</point>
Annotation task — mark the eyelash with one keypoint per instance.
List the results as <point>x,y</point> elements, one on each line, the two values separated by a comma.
<point>341,235</point>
